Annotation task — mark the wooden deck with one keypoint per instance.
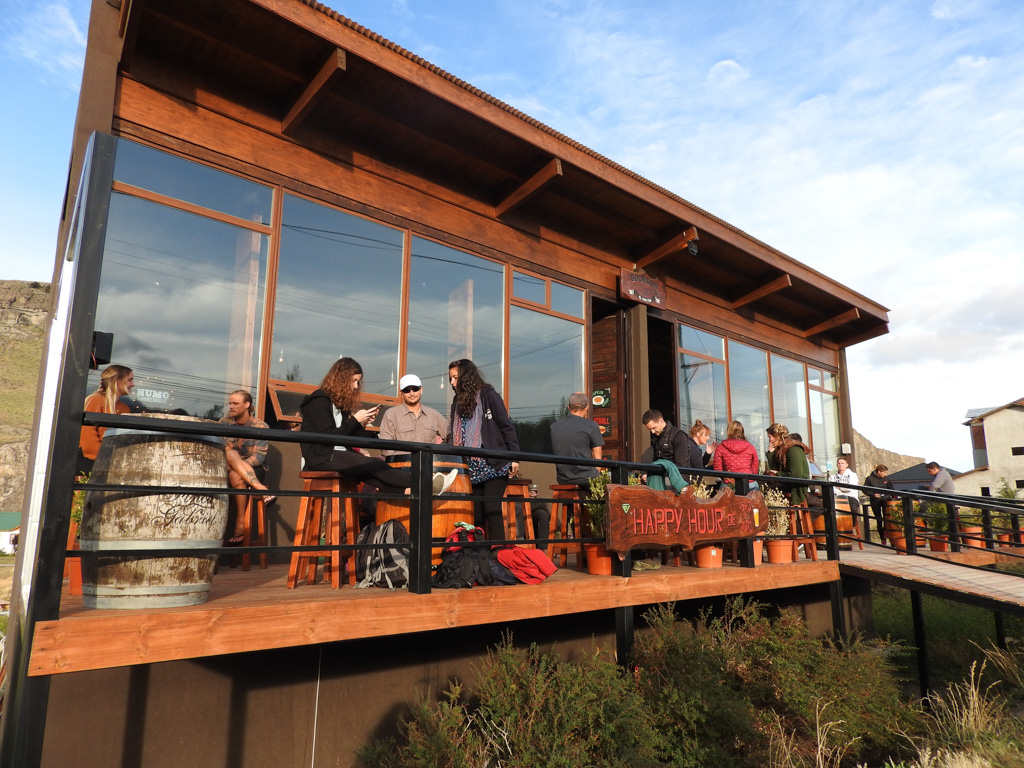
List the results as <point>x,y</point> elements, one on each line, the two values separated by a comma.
<point>250,611</point>
<point>942,575</point>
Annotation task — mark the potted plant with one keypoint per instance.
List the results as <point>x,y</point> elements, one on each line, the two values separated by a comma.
<point>937,526</point>
<point>599,559</point>
<point>779,550</point>
<point>971,526</point>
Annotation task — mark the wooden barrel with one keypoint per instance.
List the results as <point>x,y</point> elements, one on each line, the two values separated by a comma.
<point>844,524</point>
<point>447,511</point>
<point>131,520</point>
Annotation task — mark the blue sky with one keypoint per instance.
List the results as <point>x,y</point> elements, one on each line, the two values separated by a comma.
<point>880,142</point>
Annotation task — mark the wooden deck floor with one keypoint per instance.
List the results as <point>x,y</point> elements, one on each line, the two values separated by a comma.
<point>942,576</point>
<point>249,611</point>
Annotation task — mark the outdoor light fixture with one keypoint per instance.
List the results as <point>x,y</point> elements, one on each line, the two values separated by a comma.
<point>692,247</point>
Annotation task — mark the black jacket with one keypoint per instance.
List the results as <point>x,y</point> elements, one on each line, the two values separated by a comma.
<point>672,444</point>
<point>496,429</point>
<point>318,416</point>
<point>874,481</point>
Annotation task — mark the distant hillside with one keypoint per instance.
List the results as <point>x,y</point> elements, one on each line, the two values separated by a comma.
<point>23,309</point>
<point>869,457</point>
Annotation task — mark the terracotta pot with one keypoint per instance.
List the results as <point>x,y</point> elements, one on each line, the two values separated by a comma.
<point>74,575</point>
<point>599,560</point>
<point>779,550</point>
<point>709,555</point>
<point>758,551</point>
<point>899,543</point>
<point>974,540</point>
<point>1004,539</point>
<point>938,543</point>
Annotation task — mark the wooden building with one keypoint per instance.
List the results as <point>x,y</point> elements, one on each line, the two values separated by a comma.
<point>288,187</point>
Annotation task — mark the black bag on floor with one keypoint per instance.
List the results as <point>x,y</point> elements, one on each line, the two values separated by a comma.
<point>389,566</point>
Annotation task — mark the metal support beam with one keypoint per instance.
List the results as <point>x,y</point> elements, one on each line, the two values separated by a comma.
<point>420,520</point>
<point>624,631</point>
<point>921,640</point>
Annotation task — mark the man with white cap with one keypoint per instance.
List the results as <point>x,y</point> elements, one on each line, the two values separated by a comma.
<point>412,421</point>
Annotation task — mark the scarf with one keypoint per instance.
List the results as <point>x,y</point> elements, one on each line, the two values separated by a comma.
<point>469,434</point>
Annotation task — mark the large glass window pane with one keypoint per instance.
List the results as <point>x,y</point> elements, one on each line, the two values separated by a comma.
<point>748,391</point>
<point>825,429</point>
<point>545,367</point>
<point>789,395</point>
<point>567,300</point>
<point>702,394</point>
<point>701,342</point>
<point>339,288</point>
<point>456,310</point>
<point>183,296</point>
<point>173,176</point>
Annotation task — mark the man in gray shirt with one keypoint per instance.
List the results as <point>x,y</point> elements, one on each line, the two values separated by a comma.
<point>941,481</point>
<point>576,436</point>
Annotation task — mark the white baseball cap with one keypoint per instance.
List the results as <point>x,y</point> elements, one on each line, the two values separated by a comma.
<point>409,380</point>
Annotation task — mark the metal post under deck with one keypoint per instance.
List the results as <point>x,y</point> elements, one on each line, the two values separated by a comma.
<point>921,640</point>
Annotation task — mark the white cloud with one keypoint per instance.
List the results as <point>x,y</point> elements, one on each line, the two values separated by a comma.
<point>726,74</point>
<point>49,37</point>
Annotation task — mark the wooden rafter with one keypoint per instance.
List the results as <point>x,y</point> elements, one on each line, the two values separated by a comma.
<point>334,65</point>
<point>842,319</point>
<point>530,187</point>
<point>675,245</point>
<point>776,285</point>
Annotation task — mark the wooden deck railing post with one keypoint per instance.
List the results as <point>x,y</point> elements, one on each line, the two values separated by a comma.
<point>421,520</point>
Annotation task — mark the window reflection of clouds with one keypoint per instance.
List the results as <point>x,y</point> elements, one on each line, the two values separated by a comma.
<point>567,300</point>
<point>181,179</point>
<point>702,394</point>
<point>545,363</point>
<point>789,395</point>
<point>338,294</point>
<point>441,280</point>
<point>171,292</point>
<point>701,342</point>
<point>748,388</point>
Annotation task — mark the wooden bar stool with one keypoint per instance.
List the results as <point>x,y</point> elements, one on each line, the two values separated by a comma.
<point>518,491</point>
<point>564,500</point>
<point>800,523</point>
<point>307,527</point>
<point>257,507</point>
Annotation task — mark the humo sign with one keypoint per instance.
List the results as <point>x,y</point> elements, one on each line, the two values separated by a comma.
<point>638,516</point>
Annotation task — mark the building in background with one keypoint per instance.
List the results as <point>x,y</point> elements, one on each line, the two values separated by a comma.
<point>997,439</point>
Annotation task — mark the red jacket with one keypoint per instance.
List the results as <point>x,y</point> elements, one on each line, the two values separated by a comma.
<point>530,566</point>
<point>736,456</point>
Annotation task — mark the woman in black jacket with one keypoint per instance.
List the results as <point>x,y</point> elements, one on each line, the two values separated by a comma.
<point>479,420</point>
<point>334,409</point>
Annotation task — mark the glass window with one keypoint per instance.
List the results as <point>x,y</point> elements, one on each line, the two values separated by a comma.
<point>339,290</point>
<point>183,296</point>
<point>829,381</point>
<point>165,174</point>
<point>748,391</point>
<point>529,288</point>
<point>789,395</point>
<point>825,429</point>
<point>566,300</point>
<point>545,367</point>
<point>702,394</point>
<point>701,342</point>
<point>814,377</point>
<point>456,310</point>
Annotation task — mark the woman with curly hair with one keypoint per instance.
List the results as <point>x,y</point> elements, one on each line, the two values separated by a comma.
<point>116,381</point>
<point>479,420</point>
<point>787,458</point>
<point>334,409</point>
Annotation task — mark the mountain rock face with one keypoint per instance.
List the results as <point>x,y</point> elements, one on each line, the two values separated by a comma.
<point>869,457</point>
<point>23,311</point>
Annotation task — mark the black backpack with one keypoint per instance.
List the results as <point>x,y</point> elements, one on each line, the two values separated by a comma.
<point>387,567</point>
<point>463,567</point>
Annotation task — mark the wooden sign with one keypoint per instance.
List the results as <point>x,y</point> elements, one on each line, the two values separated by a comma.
<point>636,286</point>
<point>638,516</point>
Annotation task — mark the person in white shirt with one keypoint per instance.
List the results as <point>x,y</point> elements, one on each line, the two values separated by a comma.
<point>844,474</point>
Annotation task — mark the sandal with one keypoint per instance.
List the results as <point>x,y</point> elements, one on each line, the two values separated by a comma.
<point>269,499</point>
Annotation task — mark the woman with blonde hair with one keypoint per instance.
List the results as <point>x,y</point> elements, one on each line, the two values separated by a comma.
<point>116,381</point>
<point>787,458</point>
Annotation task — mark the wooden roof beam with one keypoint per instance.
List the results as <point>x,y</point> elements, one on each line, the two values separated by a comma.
<point>530,187</point>
<point>842,319</point>
<point>675,245</point>
<point>331,68</point>
<point>776,285</point>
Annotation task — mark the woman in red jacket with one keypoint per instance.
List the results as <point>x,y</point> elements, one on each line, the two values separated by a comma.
<point>736,454</point>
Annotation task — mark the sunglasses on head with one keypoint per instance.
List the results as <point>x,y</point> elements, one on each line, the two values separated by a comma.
<point>407,390</point>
